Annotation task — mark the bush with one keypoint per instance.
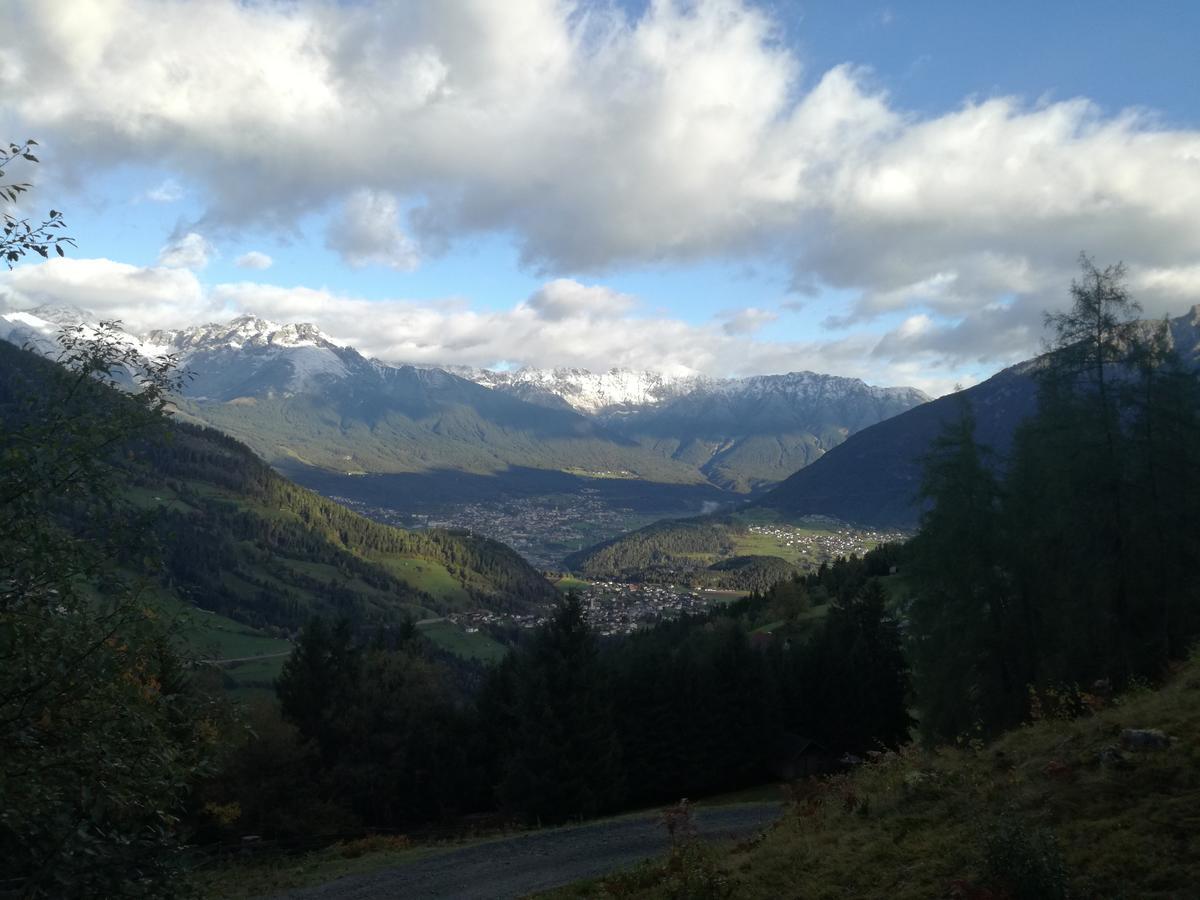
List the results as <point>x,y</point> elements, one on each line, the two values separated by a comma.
<point>1025,862</point>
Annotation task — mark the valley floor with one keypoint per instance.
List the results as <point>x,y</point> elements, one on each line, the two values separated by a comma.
<point>543,515</point>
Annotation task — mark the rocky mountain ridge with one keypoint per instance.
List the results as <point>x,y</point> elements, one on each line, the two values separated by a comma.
<point>618,392</point>
<point>296,394</point>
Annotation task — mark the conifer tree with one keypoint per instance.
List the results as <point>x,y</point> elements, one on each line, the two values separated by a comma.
<point>966,668</point>
<point>564,760</point>
<point>863,675</point>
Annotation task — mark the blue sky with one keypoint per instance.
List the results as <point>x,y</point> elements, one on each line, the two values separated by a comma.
<point>891,191</point>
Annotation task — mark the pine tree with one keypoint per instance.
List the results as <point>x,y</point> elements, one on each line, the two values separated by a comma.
<point>965,635</point>
<point>866,677</point>
<point>565,759</point>
<point>319,684</point>
<point>1082,382</point>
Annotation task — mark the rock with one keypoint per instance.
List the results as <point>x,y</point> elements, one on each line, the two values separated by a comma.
<point>1144,739</point>
<point>1111,756</point>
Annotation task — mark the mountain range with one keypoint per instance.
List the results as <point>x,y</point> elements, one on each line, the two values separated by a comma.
<point>297,396</point>
<point>873,477</point>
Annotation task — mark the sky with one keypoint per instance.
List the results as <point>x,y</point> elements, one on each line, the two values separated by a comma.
<point>895,192</point>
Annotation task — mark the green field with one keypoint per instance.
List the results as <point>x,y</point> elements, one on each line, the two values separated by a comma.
<point>210,636</point>
<point>249,658</point>
<point>425,575</point>
<point>455,639</point>
<point>568,583</point>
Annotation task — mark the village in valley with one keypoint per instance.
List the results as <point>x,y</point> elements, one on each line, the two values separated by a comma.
<point>542,528</point>
<point>819,540</point>
<point>610,608</point>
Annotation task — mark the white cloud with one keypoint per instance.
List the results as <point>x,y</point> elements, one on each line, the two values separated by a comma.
<point>254,259</point>
<point>598,139</point>
<point>585,335</point>
<point>564,323</point>
<point>167,191</point>
<point>565,298</point>
<point>142,298</point>
<point>366,231</point>
<point>191,251</point>
<point>747,321</point>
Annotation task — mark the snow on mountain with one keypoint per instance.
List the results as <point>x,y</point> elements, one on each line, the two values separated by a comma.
<point>240,333</point>
<point>24,328</point>
<point>253,355</point>
<point>250,351</point>
<point>591,393</point>
<point>39,328</point>
<point>622,391</point>
<point>247,350</point>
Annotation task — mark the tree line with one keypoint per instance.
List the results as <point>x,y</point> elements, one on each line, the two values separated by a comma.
<point>567,726</point>
<point>1072,565</point>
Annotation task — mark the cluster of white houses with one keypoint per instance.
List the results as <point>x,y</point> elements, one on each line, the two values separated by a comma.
<point>823,546</point>
<point>609,608</point>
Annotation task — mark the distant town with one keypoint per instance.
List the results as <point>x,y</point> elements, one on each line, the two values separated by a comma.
<point>610,608</point>
<point>543,529</point>
<point>811,548</point>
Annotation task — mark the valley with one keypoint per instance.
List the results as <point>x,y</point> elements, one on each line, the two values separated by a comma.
<point>609,608</point>
<point>661,450</point>
<point>746,549</point>
<point>543,515</point>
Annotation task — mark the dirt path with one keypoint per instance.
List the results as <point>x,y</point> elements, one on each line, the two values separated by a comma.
<point>244,659</point>
<point>538,861</point>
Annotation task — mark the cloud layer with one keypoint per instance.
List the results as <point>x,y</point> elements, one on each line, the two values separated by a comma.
<point>599,140</point>
<point>563,323</point>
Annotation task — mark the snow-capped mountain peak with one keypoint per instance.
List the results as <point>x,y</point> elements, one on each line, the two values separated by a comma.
<point>244,331</point>
<point>622,391</point>
<point>592,393</point>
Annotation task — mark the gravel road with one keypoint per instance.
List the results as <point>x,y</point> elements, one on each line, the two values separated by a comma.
<point>538,861</point>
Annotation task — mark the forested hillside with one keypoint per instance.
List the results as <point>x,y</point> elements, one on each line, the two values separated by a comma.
<point>234,537</point>
<point>662,551</point>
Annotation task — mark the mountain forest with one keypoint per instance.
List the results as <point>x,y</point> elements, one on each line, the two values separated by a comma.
<point>599,450</point>
<point>1040,582</point>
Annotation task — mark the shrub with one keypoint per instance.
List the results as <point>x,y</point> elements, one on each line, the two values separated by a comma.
<point>1024,862</point>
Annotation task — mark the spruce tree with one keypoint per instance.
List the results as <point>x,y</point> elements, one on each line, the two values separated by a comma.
<point>968,674</point>
<point>564,760</point>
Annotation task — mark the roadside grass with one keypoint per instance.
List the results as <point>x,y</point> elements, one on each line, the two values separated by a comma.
<point>919,824</point>
<point>454,639</point>
<point>245,874</point>
<point>763,793</point>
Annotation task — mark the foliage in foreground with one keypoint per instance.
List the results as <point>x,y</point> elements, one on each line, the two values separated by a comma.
<point>1058,808</point>
<point>101,730</point>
